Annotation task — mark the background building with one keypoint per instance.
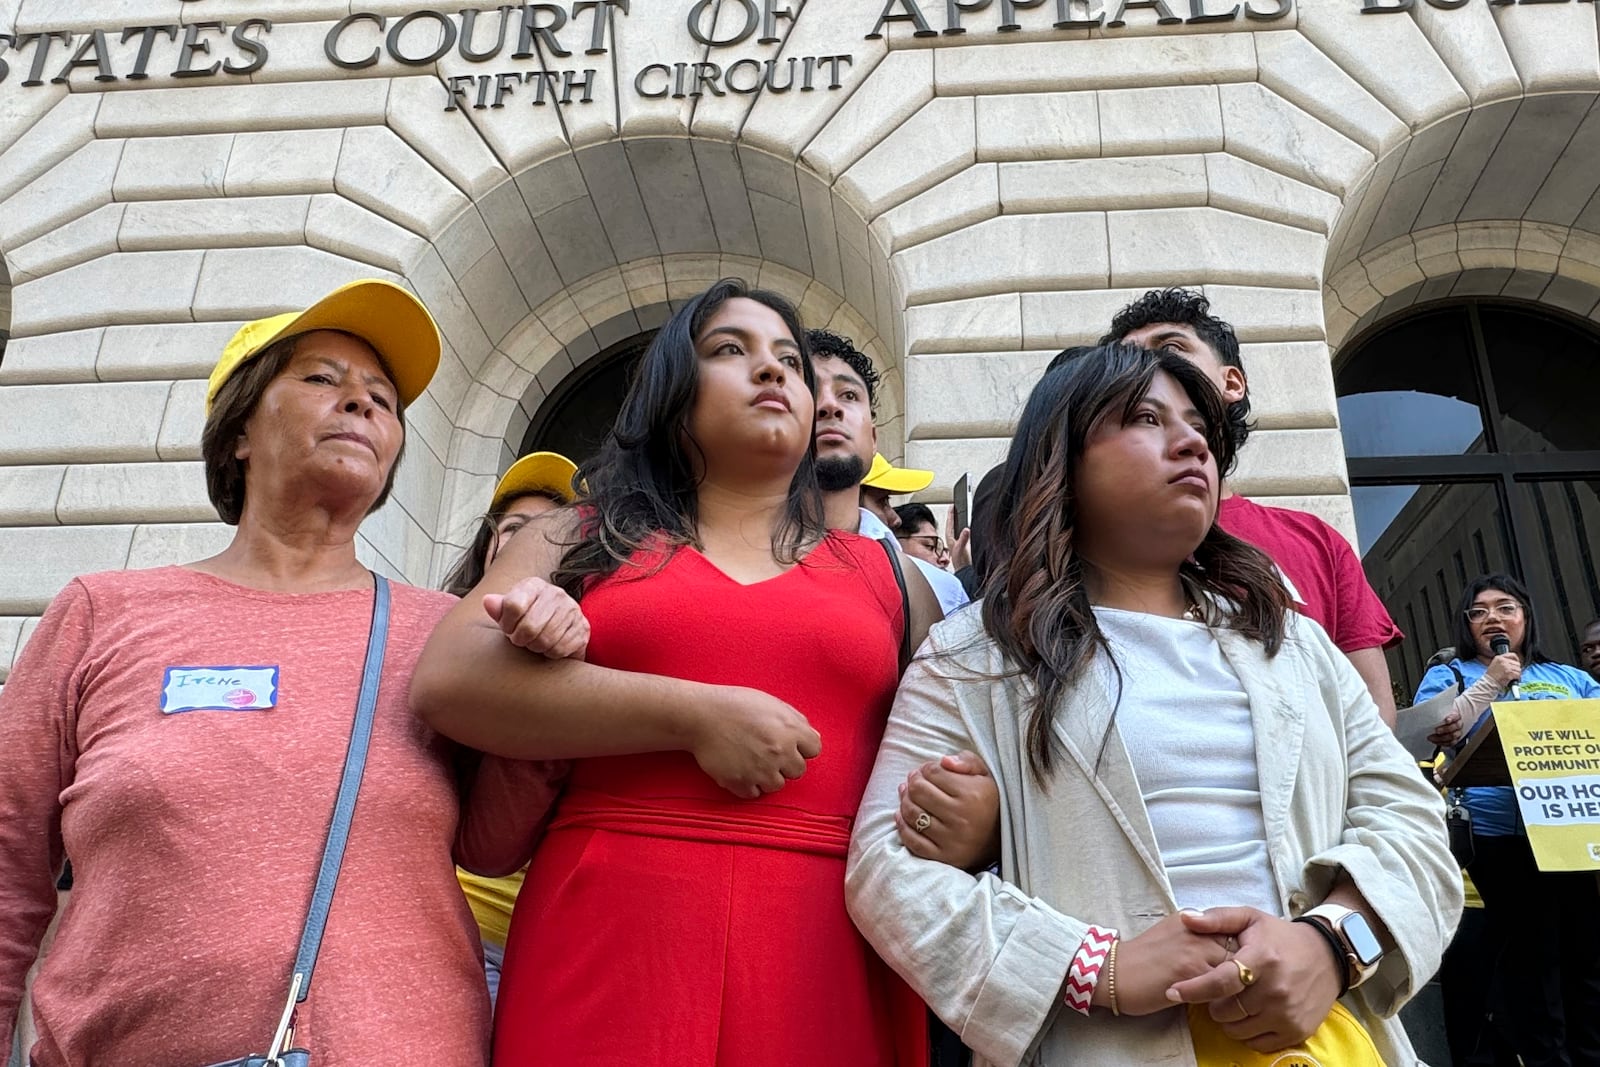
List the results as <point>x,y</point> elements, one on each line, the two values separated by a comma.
<point>1385,198</point>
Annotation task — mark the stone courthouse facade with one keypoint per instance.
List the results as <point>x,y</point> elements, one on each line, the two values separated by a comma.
<point>963,186</point>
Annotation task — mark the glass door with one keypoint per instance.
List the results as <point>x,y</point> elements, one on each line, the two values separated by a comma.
<point>1472,450</point>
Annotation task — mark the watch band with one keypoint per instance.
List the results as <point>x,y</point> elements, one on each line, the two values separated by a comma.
<point>1341,958</point>
<point>1332,918</point>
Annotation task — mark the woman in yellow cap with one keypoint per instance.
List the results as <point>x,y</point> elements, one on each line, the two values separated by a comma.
<point>535,485</point>
<point>182,734</point>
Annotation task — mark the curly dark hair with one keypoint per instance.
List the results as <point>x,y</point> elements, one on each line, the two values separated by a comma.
<point>1188,307</point>
<point>826,344</point>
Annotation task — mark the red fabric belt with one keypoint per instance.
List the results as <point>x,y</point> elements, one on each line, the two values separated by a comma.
<point>694,819</point>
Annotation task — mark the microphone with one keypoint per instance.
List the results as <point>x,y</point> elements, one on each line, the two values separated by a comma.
<point>1499,644</point>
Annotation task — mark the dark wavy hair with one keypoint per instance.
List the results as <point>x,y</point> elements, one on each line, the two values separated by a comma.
<point>474,560</point>
<point>1066,355</point>
<point>1188,307</point>
<point>825,344</point>
<point>1036,601</point>
<point>1467,642</point>
<point>641,485</point>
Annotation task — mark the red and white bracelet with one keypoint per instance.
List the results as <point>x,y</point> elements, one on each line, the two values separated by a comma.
<point>1084,972</point>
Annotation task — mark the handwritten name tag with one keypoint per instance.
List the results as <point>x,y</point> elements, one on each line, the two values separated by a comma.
<point>219,689</point>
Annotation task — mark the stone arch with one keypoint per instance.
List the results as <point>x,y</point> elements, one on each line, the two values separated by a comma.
<point>583,250</point>
<point>1552,265</point>
<point>678,278</point>
<point>1496,200</point>
<point>973,206</point>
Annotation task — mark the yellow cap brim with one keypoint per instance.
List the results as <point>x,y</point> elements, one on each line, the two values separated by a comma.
<point>537,472</point>
<point>382,314</point>
<point>895,480</point>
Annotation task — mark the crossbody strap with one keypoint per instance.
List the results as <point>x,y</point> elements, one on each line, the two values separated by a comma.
<point>344,807</point>
<point>893,552</point>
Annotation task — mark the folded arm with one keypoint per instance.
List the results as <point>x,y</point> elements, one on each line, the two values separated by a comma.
<point>988,958</point>
<point>476,687</point>
<point>508,806</point>
<point>1393,856</point>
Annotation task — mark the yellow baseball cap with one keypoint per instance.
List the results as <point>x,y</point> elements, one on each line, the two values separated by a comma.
<point>381,313</point>
<point>891,479</point>
<point>537,472</point>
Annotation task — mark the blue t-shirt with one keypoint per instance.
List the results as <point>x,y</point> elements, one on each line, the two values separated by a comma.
<point>1494,807</point>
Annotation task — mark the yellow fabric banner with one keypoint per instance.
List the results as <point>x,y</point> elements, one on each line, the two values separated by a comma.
<point>1553,752</point>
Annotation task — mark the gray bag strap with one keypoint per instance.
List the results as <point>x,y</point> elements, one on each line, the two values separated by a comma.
<point>344,807</point>
<point>279,1054</point>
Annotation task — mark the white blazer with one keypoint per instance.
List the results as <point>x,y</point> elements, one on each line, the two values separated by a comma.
<point>990,954</point>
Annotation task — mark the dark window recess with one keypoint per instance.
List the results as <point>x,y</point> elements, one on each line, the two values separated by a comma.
<point>1472,449</point>
<point>578,413</point>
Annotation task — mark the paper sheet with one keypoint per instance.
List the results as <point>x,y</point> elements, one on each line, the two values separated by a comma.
<point>1414,724</point>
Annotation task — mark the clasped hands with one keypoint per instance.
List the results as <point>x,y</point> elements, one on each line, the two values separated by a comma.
<point>1196,957</point>
<point>747,741</point>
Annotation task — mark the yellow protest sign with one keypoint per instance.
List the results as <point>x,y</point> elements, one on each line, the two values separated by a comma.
<point>1553,752</point>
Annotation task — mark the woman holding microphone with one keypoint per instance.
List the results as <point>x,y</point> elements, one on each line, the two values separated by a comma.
<point>1552,919</point>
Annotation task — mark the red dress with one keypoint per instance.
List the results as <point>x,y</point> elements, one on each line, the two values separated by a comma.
<point>665,922</point>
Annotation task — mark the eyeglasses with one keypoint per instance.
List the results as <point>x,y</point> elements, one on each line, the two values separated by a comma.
<point>1509,609</point>
<point>930,542</point>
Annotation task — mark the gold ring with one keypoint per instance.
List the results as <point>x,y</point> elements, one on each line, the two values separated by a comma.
<point>1243,1014</point>
<point>924,821</point>
<point>1231,945</point>
<point>1246,975</point>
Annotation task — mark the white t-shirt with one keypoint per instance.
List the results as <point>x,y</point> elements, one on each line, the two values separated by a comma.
<point>1185,722</point>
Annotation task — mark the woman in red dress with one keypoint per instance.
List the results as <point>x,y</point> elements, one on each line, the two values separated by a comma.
<point>686,906</point>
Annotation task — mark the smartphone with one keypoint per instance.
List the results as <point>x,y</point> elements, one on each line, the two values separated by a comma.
<point>963,503</point>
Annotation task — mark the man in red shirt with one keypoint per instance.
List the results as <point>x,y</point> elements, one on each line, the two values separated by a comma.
<point>1322,572</point>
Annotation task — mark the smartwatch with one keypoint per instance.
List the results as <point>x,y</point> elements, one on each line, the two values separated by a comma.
<point>1362,952</point>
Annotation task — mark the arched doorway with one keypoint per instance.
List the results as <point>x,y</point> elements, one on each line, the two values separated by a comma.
<point>1471,448</point>
<point>574,418</point>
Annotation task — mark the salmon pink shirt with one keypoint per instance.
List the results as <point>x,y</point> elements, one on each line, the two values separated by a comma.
<point>181,738</point>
